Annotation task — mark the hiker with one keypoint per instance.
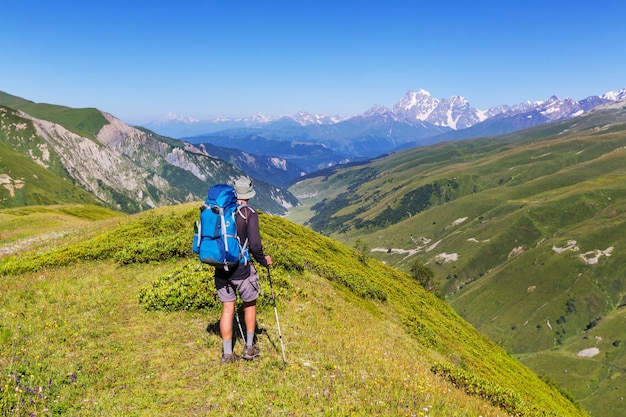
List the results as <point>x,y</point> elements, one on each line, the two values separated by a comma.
<point>242,279</point>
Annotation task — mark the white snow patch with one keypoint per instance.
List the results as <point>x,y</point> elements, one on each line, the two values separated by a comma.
<point>473,239</point>
<point>589,353</point>
<point>516,251</point>
<point>571,245</point>
<point>419,245</point>
<point>433,246</point>
<point>407,252</point>
<point>590,258</point>
<point>279,163</point>
<point>451,120</point>
<point>5,179</point>
<point>447,257</point>
<point>596,255</point>
<point>11,184</point>
<point>459,221</point>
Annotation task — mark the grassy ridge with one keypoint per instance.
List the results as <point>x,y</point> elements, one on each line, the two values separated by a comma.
<point>86,122</point>
<point>26,228</point>
<point>123,322</point>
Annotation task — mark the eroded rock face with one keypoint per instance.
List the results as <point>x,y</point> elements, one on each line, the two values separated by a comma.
<point>128,168</point>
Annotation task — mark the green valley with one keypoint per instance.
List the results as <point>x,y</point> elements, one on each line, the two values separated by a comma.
<point>524,233</point>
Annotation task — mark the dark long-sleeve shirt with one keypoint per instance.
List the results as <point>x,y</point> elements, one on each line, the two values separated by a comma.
<point>247,228</point>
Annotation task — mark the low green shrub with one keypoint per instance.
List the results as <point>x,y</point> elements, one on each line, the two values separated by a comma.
<point>421,332</point>
<point>505,399</point>
<point>189,287</point>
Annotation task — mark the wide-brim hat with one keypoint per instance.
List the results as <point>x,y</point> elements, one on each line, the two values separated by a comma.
<point>243,188</point>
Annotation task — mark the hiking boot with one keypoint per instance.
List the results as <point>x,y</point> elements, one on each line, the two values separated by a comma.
<point>251,352</point>
<point>231,358</point>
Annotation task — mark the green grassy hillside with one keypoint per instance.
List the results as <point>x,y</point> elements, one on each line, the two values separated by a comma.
<point>23,183</point>
<point>86,122</point>
<point>121,320</point>
<point>32,227</point>
<point>524,233</point>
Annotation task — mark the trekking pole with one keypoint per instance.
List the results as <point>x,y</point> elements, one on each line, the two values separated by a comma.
<point>243,338</point>
<point>280,335</point>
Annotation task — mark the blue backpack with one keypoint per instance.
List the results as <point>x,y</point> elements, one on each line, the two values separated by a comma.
<point>215,240</point>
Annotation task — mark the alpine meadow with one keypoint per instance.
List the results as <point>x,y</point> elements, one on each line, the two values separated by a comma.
<point>105,314</point>
<point>524,234</point>
<point>476,277</point>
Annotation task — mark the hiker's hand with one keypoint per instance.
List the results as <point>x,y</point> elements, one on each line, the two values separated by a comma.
<point>268,260</point>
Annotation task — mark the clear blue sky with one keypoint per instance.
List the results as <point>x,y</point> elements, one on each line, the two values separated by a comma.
<point>140,60</point>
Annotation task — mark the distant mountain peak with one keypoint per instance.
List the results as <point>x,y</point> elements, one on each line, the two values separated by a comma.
<point>377,109</point>
<point>186,119</point>
<point>416,105</point>
<point>304,118</point>
<point>454,112</point>
<point>260,118</point>
<point>617,95</point>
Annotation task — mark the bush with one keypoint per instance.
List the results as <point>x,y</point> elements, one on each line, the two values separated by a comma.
<point>425,276</point>
<point>186,288</point>
<point>502,398</point>
<point>421,332</point>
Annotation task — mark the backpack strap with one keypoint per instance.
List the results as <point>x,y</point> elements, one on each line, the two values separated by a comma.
<point>240,211</point>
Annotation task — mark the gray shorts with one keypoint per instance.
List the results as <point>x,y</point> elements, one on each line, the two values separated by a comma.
<point>248,288</point>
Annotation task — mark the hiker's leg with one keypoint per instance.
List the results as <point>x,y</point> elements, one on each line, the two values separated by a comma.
<point>251,350</point>
<point>249,314</point>
<point>226,322</point>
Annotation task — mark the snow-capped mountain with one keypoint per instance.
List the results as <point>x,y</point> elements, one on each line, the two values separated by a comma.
<point>615,95</point>
<point>457,113</point>
<point>177,126</point>
<point>416,105</point>
<point>505,108</point>
<point>304,119</point>
<point>454,112</point>
<point>419,109</point>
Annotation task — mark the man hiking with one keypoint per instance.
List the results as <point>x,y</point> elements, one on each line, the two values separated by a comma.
<point>243,278</point>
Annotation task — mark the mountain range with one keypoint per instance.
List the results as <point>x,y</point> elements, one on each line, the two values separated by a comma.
<point>313,142</point>
<point>414,108</point>
<point>54,154</point>
<point>95,155</point>
<point>417,108</point>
